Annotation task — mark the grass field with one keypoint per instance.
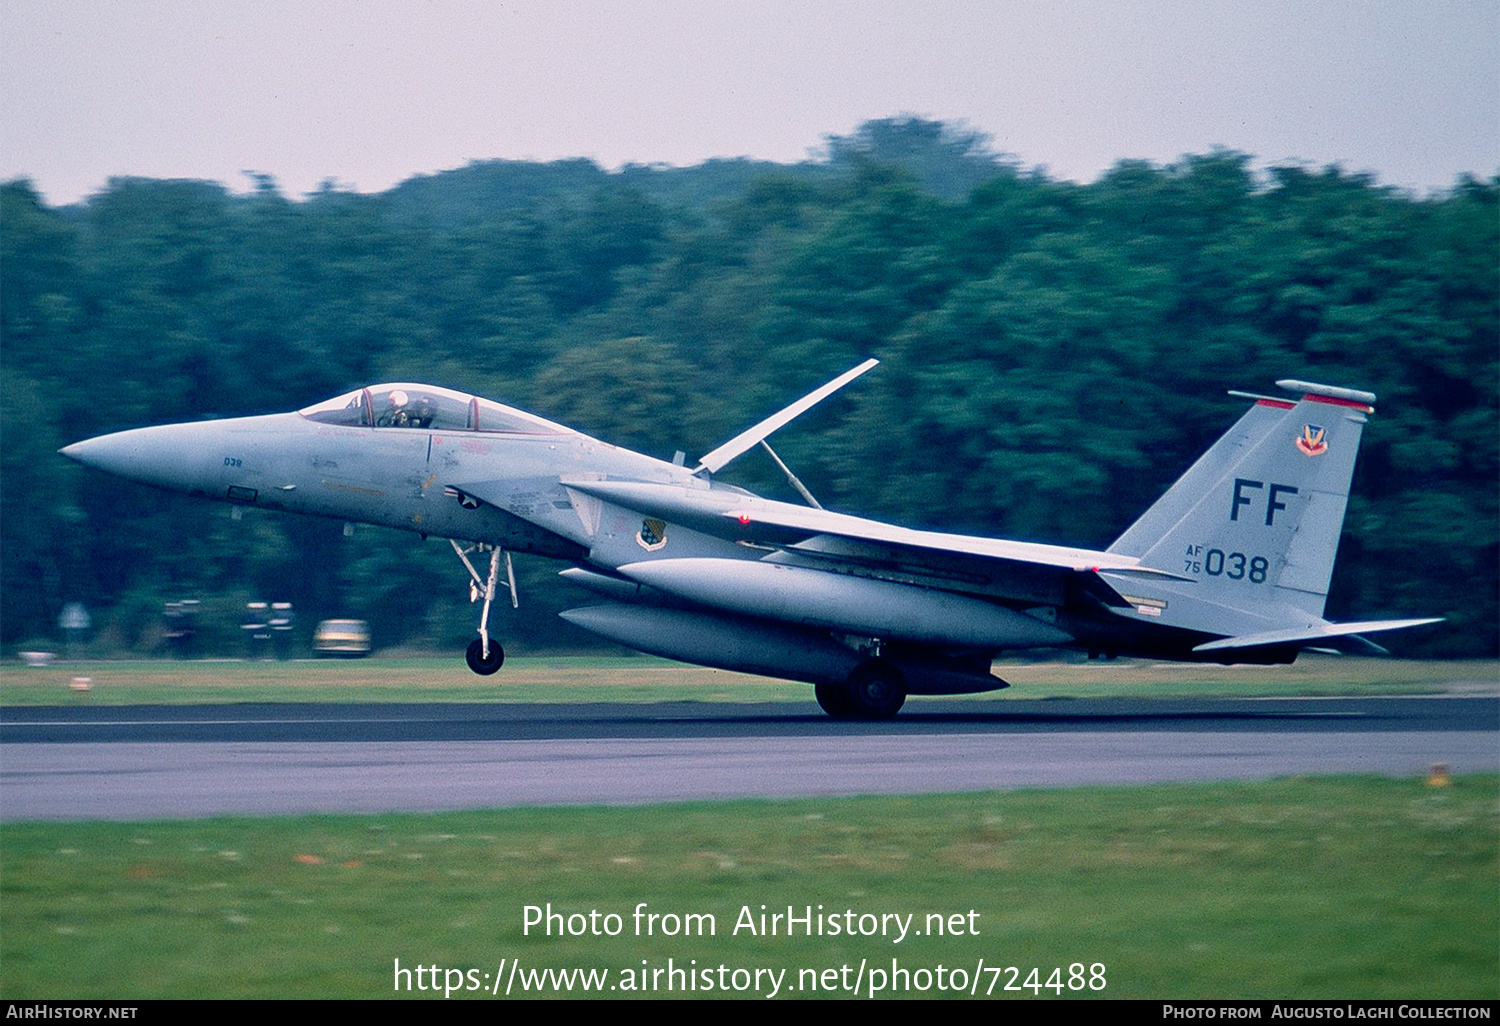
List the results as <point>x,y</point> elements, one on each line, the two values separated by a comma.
<point>645,679</point>
<point>1327,888</point>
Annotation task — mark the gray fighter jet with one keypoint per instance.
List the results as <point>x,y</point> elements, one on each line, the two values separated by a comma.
<point>1232,564</point>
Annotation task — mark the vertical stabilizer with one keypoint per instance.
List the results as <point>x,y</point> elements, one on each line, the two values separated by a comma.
<point>1256,521</point>
<point>1200,477</point>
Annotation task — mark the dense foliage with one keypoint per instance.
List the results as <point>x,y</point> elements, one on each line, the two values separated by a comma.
<point>1054,355</point>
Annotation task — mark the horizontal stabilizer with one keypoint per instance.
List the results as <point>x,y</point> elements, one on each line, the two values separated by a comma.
<point>1310,635</point>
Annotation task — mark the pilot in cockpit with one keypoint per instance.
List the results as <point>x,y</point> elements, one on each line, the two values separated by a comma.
<point>398,415</point>
<point>406,411</point>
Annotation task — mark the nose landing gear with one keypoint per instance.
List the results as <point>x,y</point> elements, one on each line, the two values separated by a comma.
<point>485,656</point>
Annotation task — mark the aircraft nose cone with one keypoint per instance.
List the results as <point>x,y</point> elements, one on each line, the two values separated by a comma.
<point>105,453</point>
<point>155,455</point>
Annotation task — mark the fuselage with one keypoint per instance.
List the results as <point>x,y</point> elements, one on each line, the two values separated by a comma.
<point>441,463</point>
<point>500,485</point>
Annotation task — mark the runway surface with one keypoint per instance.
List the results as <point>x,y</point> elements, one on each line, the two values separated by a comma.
<point>142,762</point>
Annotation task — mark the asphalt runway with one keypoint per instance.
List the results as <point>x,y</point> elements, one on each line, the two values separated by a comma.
<point>144,762</point>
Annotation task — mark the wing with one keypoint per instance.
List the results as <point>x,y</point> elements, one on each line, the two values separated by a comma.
<point>1023,571</point>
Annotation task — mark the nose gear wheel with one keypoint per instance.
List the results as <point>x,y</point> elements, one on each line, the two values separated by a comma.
<point>482,663</point>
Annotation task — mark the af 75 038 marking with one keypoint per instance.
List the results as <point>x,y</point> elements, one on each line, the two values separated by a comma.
<point>1236,566</point>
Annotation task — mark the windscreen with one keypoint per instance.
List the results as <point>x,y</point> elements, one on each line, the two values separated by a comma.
<point>349,410</point>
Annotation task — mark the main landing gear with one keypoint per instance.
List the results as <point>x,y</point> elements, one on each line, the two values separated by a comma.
<point>485,656</point>
<point>875,690</point>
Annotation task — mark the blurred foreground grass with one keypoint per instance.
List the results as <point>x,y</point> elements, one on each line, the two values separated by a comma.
<point>1298,888</point>
<point>646,679</point>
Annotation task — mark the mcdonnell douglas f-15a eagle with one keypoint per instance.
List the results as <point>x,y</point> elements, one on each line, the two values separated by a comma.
<point>1232,564</point>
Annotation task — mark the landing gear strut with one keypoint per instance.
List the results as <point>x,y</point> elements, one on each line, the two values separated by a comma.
<point>485,656</point>
<point>875,690</point>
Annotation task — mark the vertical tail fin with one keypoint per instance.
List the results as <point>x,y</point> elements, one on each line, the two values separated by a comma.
<point>1201,476</point>
<point>1256,520</point>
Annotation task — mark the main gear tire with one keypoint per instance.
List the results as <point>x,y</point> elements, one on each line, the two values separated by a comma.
<point>834,698</point>
<point>876,690</point>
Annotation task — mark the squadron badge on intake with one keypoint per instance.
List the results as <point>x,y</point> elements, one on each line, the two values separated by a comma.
<point>652,535</point>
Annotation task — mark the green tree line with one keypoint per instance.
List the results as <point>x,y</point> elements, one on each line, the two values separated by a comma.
<point>1054,354</point>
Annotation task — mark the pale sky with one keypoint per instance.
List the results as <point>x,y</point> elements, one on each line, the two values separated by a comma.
<point>370,93</point>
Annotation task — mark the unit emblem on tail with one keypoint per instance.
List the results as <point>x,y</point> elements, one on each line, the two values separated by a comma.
<point>1310,442</point>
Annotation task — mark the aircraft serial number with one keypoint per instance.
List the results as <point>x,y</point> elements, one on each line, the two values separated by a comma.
<point>230,461</point>
<point>1234,565</point>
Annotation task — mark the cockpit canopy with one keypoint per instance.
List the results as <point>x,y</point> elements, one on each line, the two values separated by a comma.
<point>403,405</point>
